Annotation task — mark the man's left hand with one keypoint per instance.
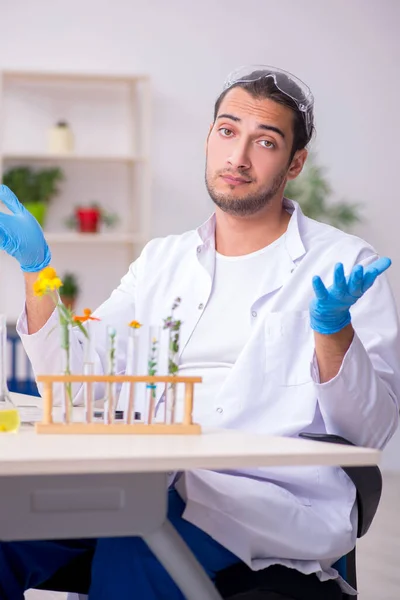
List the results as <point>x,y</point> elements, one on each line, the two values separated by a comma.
<point>330,309</point>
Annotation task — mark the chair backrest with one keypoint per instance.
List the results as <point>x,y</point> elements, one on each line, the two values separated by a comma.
<point>367,481</point>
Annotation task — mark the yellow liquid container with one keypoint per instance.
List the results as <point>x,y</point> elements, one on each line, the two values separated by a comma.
<point>9,420</point>
<point>9,416</point>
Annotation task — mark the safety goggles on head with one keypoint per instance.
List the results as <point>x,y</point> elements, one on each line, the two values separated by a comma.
<point>287,83</point>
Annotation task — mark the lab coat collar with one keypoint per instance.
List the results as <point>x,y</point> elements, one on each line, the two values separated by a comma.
<point>293,242</point>
<point>290,251</point>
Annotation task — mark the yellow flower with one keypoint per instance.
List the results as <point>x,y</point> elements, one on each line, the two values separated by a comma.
<point>38,288</point>
<point>135,324</point>
<point>42,286</point>
<point>53,284</point>
<point>47,281</point>
<point>48,273</point>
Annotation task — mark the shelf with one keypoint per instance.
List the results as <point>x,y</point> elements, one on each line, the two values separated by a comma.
<point>72,237</point>
<point>111,117</point>
<point>92,77</point>
<point>71,157</point>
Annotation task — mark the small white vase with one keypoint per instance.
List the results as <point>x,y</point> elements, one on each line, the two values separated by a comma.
<point>60,139</point>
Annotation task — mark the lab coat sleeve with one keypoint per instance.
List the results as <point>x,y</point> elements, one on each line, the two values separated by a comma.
<point>362,402</point>
<point>43,347</point>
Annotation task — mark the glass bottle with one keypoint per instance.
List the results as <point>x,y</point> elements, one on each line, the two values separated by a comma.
<point>88,369</point>
<point>173,367</point>
<point>152,368</point>
<point>9,416</point>
<point>131,369</point>
<point>67,405</point>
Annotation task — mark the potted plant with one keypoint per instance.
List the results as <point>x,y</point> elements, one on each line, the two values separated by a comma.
<point>312,191</point>
<point>69,290</point>
<point>34,189</point>
<point>88,218</point>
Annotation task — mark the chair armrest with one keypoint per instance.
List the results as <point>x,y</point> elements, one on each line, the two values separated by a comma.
<point>326,437</point>
<point>367,480</point>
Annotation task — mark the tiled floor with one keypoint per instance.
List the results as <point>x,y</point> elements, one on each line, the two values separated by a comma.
<point>378,552</point>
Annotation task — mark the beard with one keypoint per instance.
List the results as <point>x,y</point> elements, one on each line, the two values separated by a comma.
<point>249,204</point>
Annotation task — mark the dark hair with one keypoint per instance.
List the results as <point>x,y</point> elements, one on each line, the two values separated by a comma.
<point>265,87</point>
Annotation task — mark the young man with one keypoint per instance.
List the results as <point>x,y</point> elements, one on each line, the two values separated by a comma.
<point>278,351</point>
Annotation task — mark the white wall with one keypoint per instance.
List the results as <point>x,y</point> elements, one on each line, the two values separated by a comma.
<point>347,51</point>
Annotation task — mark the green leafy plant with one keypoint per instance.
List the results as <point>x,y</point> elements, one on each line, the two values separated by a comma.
<point>20,181</point>
<point>174,327</point>
<point>70,287</point>
<point>33,186</point>
<point>312,191</point>
<point>152,362</point>
<point>112,335</point>
<point>109,219</point>
<point>47,283</point>
<point>152,367</point>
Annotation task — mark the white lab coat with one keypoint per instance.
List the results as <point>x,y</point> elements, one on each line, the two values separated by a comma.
<point>301,517</point>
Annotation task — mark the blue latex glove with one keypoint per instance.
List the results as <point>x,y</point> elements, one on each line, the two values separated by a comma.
<point>21,235</point>
<point>330,310</point>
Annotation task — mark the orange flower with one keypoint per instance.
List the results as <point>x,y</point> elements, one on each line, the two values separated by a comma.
<point>87,316</point>
<point>135,324</point>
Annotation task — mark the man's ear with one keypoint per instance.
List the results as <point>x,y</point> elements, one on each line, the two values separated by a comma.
<point>296,166</point>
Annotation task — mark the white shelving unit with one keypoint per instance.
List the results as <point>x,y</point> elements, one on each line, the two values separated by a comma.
<point>56,158</point>
<point>110,118</point>
<point>94,238</point>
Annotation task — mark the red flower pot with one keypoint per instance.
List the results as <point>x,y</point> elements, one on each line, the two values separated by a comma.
<point>88,220</point>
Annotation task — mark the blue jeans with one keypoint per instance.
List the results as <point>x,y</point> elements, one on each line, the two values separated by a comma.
<point>122,568</point>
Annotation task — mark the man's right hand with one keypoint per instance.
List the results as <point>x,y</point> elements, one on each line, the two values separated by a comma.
<point>21,235</point>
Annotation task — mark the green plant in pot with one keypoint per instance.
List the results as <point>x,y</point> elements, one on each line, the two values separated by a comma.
<point>69,290</point>
<point>312,191</point>
<point>34,189</point>
<point>88,218</point>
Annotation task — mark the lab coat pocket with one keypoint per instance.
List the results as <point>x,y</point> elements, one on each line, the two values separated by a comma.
<point>289,348</point>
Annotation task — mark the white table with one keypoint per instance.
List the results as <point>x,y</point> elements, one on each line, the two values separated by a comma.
<point>98,485</point>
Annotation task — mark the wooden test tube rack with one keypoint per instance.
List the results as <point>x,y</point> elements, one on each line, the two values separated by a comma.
<point>186,427</point>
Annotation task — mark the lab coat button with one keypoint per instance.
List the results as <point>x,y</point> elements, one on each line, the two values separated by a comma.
<point>254,314</point>
<point>220,410</point>
<point>201,306</point>
<point>199,250</point>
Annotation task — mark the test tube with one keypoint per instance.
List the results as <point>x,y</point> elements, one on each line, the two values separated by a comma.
<point>111,370</point>
<point>152,368</point>
<point>131,369</point>
<point>65,331</point>
<point>173,364</point>
<point>88,369</point>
